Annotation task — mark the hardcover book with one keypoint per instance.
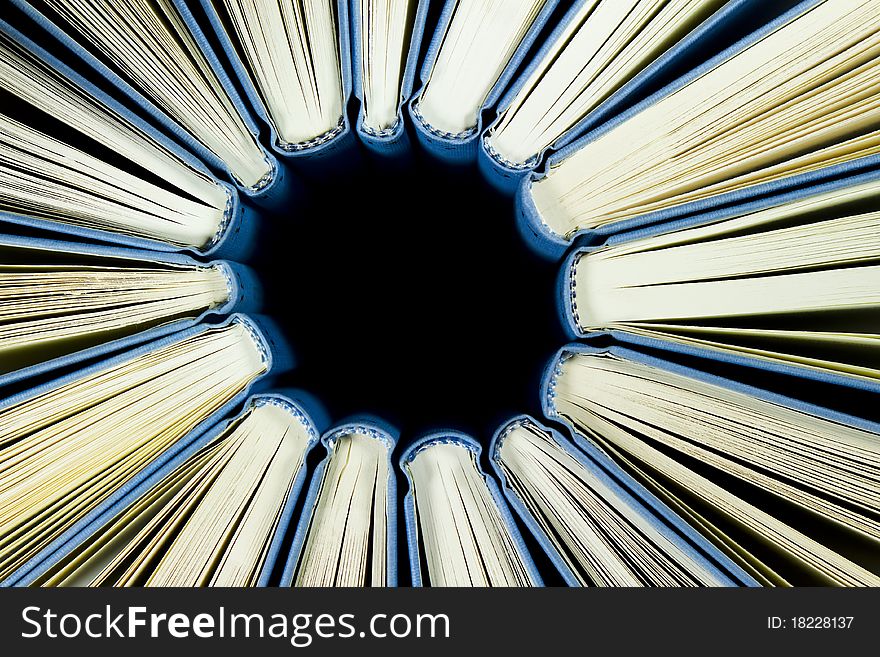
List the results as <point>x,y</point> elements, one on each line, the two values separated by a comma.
<point>215,514</point>
<point>100,172</point>
<point>63,303</point>
<point>784,109</point>
<point>180,85</point>
<point>792,285</point>
<point>385,39</point>
<point>599,59</point>
<point>347,532</point>
<point>596,523</point>
<point>474,52</point>
<point>69,445</point>
<point>787,488</point>
<point>450,496</point>
<point>298,90</point>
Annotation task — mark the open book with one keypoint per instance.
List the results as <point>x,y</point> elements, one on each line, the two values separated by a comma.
<point>213,516</point>
<point>601,46</point>
<point>347,533</point>
<point>79,162</point>
<point>292,60</point>
<point>61,302</point>
<point>794,283</point>
<point>598,526</point>
<point>69,445</point>
<point>476,48</point>
<point>791,491</point>
<point>794,102</point>
<point>460,530</point>
<point>155,54</point>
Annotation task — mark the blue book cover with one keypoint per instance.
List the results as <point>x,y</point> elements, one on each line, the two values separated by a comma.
<point>302,409</point>
<point>571,314</point>
<point>552,245</point>
<point>245,295</point>
<point>276,356</point>
<point>375,429</point>
<point>412,523</point>
<point>600,465</point>
<point>271,191</point>
<point>461,148</point>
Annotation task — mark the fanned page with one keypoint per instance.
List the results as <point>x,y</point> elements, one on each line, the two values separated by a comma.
<point>801,98</point>
<point>798,283</point>
<point>386,27</point>
<point>117,179</point>
<point>65,451</point>
<point>290,49</point>
<point>804,489</point>
<point>476,46</point>
<point>49,310</point>
<point>149,45</point>
<point>347,539</point>
<point>605,44</point>
<point>605,537</point>
<point>210,521</point>
<point>461,532</point>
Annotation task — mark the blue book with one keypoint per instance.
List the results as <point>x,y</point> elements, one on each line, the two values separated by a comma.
<point>322,152</point>
<point>792,512</point>
<point>506,175</point>
<point>533,448</point>
<point>552,244</point>
<point>391,140</point>
<point>800,312</point>
<point>236,223</point>
<point>82,342</point>
<point>354,488</point>
<point>268,188</point>
<point>449,494</point>
<point>460,147</point>
<point>83,437</point>
<point>100,545</point>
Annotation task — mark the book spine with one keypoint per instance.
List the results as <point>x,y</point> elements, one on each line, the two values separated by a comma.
<point>412,530</point>
<point>311,415</point>
<point>270,340</point>
<point>245,290</point>
<point>502,174</point>
<point>517,504</point>
<point>531,226</point>
<point>393,142</point>
<point>566,295</point>
<point>365,425</point>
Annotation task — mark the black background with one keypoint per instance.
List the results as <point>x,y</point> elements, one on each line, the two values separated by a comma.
<point>406,292</point>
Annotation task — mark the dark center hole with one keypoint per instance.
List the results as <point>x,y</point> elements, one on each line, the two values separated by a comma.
<point>408,293</point>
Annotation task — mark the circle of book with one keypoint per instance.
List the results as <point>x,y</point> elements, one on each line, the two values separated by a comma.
<point>706,173</point>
